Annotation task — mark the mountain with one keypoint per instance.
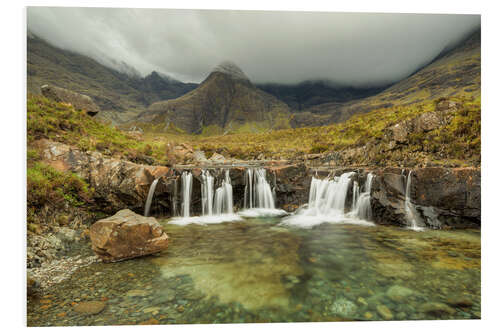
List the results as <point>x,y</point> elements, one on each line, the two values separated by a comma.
<point>313,92</point>
<point>121,95</point>
<point>226,101</point>
<point>455,71</point>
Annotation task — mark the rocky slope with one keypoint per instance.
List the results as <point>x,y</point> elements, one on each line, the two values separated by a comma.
<point>225,101</point>
<point>452,73</point>
<point>120,95</point>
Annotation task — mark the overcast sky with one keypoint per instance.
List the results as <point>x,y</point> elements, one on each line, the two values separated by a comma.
<point>283,47</point>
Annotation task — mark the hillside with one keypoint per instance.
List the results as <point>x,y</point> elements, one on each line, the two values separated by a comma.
<point>120,96</point>
<point>225,101</point>
<point>452,73</point>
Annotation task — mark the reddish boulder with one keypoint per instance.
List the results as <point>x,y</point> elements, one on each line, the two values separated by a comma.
<point>127,235</point>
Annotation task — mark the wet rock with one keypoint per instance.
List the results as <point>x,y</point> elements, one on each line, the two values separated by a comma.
<point>89,308</point>
<point>398,293</point>
<point>436,308</point>
<point>137,293</point>
<point>127,235</point>
<point>384,312</point>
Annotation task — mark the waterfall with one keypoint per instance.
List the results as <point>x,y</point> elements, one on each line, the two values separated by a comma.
<point>223,203</point>
<point>362,207</point>
<point>187,184</point>
<point>258,193</point>
<point>411,213</point>
<point>207,192</point>
<point>150,197</point>
<point>327,198</point>
<point>259,198</point>
<point>248,197</point>
<point>355,195</point>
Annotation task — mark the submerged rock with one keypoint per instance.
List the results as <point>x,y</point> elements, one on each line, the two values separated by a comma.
<point>384,312</point>
<point>436,308</point>
<point>89,308</point>
<point>399,293</point>
<point>127,235</point>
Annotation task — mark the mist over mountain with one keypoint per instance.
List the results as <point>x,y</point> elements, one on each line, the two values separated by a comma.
<point>351,49</point>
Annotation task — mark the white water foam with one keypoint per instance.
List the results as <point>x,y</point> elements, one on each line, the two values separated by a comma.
<point>206,219</point>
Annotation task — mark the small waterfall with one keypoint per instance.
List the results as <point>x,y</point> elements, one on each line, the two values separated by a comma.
<point>411,213</point>
<point>355,195</point>
<point>362,208</point>
<point>258,193</point>
<point>327,198</point>
<point>187,185</point>
<point>216,207</point>
<point>174,199</point>
<point>150,197</point>
<point>248,197</point>
<point>207,192</point>
<point>223,203</point>
<point>259,198</point>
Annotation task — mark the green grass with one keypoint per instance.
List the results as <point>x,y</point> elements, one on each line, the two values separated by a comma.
<point>61,122</point>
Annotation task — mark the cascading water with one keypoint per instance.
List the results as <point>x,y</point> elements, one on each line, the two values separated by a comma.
<point>223,203</point>
<point>216,207</point>
<point>207,192</point>
<point>411,213</point>
<point>362,207</point>
<point>187,187</point>
<point>150,197</point>
<point>327,199</point>
<point>174,199</point>
<point>259,198</point>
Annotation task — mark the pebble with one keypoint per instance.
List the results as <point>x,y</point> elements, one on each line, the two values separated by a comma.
<point>384,312</point>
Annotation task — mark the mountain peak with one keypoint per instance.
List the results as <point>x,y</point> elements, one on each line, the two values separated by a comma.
<point>231,69</point>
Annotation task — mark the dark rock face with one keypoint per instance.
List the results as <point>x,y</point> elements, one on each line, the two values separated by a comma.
<point>443,197</point>
<point>79,101</point>
<point>455,194</point>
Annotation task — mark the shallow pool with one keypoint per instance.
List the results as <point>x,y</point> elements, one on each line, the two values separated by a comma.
<point>258,270</point>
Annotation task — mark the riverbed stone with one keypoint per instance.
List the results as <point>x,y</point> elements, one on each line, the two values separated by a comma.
<point>89,308</point>
<point>399,293</point>
<point>344,307</point>
<point>127,235</point>
<point>436,308</point>
<point>384,312</point>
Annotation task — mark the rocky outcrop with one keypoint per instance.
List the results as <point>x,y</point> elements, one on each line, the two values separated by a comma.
<point>127,235</point>
<point>117,184</point>
<point>79,101</point>
<point>443,197</point>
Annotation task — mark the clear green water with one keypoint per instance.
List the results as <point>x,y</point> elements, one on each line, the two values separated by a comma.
<point>258,271</point>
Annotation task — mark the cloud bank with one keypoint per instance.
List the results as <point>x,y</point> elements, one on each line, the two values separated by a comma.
<point>283,47</point>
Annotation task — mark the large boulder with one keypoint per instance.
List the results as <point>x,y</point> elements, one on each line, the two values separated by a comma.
<point>79,101</point>
<point>127,235</point>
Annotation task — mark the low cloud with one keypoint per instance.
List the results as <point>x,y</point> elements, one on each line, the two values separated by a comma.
<point>283,47</point>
